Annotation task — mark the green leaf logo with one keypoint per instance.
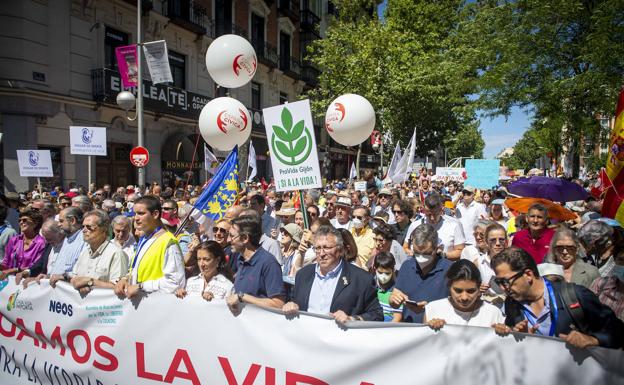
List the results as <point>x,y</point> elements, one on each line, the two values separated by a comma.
<point>291,144</point>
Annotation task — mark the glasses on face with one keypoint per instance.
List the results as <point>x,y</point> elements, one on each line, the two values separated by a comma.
<point>312,213</point>
<point>379,240</point>
<point>478,235</point>
<point>25,220</point>
<point>384,197</point>
<point>218,229</point>
<point>397,212</point>
<point>493,241</point>
<point>89,227</point>
<point>324,249</point>
<point>571,249</point>
<point>508,282</point>
<point>167,208</point>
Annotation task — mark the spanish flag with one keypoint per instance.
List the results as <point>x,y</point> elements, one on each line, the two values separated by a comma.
<point>613,206</point>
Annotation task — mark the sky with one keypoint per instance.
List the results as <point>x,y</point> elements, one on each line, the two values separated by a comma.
<point>499,132</point>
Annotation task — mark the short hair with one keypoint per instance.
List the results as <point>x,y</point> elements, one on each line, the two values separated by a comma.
<point>361,207</point>
<point>321,221</point>
<point>483,224</point>
<point>517,259</point>
<point>150,202</point>
<point>423,234</point>
<point>53,226</point>
<point>47,204</point>
<point>372,190</point>
<point>324,231</point>
<point>404,206</point>
<point>351,250</point>
<point>463,270</point>
<point>315,207</point>
<point>538,207</point>
<point>595,232</point>
<point>258,198</point>
<point>494,226</point>
<point>103,219</point>
<point>121,220</point>
<point>384,260</point>
<point>172,202</point>
<point>108,203</point>
<point>84,202</point>
<point>433,201</point>
<point>35,216</point>
<point>386,231</point>
<point>74,212</point>
<point>251,226</point>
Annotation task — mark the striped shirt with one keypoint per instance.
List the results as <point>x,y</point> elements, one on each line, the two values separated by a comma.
<point>70,251</point>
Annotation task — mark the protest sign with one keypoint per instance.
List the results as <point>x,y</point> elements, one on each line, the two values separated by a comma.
<point>37,163</point>
<point>127,62</point>
<point>360,185</point>
<point>87,140</point>
<point>157,60</point>
<point>450,171</point>
<point>294,157</point>
<point>54,336</point>
<point>482,173</point>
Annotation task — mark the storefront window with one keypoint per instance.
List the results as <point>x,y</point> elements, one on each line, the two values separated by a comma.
<point>113,39</point>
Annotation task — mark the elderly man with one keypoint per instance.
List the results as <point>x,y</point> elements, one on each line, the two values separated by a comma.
<point>82,202</point>
<point>343,213</point>
<point>403,212</point>
<point>259,276</point>
<point>123,237</point>
<point>384,200</point>
<point>70,220</point>
<point>536,239</point>
<point>45,207</point>
<point>468,211</point>
<point>332,286</point>
<point>421,279</point>
<point>54,236</point>
<point>362,234</point>
<point>557,309</point>
<point>102,263</point>
<point>158,265</point>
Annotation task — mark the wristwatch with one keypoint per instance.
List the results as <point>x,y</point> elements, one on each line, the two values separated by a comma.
<point>66,277</point>
<point>240,296</point>
<point>141,286</point>
<point>90,283</point>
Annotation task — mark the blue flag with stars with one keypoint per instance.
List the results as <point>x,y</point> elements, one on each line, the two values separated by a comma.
<point>222,191</point>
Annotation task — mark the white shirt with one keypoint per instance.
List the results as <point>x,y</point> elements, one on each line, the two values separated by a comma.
<point>53,255</point>
<point>219,286</point>
<point>468,216</point>
<point>388,210</point>
<point>337,225</point>
<point>173,270</point>
<point>273,247</point>
<point>484,316</point>
<point>129,247</point>
<point>450,232</point>
<point>107,263</point>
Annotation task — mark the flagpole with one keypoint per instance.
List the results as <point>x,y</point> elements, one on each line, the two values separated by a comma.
<point>306,225</point>
<point>184,222</point>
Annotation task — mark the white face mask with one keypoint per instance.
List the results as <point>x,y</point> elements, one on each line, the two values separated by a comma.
<point>423,259</point>
<point>357,223</point>
<point>130,205</point>
<point>383,278</point>
<point>271,202</point>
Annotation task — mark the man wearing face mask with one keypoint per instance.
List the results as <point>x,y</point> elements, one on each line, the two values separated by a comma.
<point>423,278</point>
<point>363,234</point>
<point>599,239</point>
<point>610,290</point>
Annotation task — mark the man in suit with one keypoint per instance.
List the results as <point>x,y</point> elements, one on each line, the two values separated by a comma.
<point>333,286</point>
<point>535,305</point>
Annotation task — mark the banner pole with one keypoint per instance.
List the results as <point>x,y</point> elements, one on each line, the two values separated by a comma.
<point>89,177</point>
<point>306,225</point>
<point>184,222</point>
<point>39,184</point>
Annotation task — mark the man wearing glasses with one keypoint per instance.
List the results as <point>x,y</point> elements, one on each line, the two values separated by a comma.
<point>343,213</point>
<point>70,220</point>
<point>469,212</point>
<point>384,205</point>
<point>333,287</point>
<point>362,234</point>
<point>537,306</point>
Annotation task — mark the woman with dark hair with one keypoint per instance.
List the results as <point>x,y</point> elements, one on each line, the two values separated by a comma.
<point>464,305</point>
<point>214,280</point>
<point>351,250</point>
<point>24,249</point>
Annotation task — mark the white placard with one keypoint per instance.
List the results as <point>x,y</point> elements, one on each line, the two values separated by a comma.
<point>35,163</point>
<point>158,61</point>
<point>360,185</point>
<point>292,145</point>
<point>450,171</point>
<point>87,140</point>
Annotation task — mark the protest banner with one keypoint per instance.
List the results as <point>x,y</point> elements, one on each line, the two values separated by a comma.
<point>127,62</point>
<point>36,163</point>
<point>292,145</point>
<point>454,172</point>
<point>482,173</point>
<point>157,59</point>
<point>54,336</point>
<point>87,140</point>
<point>360,185</point>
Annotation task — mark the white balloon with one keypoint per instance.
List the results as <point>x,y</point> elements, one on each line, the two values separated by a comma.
<point>231,61</point>
<point>225,122</point>
<point>350,119</point>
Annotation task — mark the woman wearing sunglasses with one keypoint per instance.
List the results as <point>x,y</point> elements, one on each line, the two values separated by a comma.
<point>564,249</point>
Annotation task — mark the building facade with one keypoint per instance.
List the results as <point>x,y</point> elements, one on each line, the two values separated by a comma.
<point>59,70</point>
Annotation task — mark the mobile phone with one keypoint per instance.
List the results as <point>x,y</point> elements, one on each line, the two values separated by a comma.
<point>412,302</point>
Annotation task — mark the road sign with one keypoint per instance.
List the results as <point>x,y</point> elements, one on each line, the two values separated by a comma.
<point>139,156</point>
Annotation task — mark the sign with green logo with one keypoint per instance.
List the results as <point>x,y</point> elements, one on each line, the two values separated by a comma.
<point>292,146</point>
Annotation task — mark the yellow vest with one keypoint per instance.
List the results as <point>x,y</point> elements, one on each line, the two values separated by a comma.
<point>151,265</point>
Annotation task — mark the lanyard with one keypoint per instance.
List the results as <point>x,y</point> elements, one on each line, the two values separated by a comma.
<point>553,310</point>
<point>2,228</point>
<point>142,242</point>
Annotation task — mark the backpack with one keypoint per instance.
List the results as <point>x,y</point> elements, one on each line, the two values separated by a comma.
<point>573,306</point>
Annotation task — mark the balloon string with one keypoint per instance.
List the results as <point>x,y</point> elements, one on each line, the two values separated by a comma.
<point>188,179</point>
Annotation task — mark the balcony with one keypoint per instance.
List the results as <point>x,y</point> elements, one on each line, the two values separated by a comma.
<point>309,20</point>
<point>267,54</point>
<point>289,8</point>
<point>309,74</point>
<point>224,27</point>
<point>188,15</point>
<point>290,66</point>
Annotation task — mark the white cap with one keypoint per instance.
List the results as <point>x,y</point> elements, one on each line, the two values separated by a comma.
<point>550,269</point>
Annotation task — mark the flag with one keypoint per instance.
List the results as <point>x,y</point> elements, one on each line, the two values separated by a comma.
<point>396,158</point>
<point>252,162</point>
<point>612,206</point>
<point>211,163</point>
<point>404,167</point>
<point>601,184</point>
<point>222,191</point>
<point>353,172</point>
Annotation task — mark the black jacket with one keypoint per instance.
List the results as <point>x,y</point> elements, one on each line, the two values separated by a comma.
<point>600,320</point>
<point>355,292</point>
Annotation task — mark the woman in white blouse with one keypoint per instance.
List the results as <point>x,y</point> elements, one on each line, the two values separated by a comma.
<point>464,305</point>
<point>214,281</point>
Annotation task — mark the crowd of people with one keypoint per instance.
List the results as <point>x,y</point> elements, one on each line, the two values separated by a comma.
<point>425,251</point>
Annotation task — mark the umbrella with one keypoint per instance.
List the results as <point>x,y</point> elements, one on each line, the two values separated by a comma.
<point>555,189</point>
<point>555,211</point>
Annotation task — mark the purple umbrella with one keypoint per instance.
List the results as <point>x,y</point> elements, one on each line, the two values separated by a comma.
<point>555,189</point>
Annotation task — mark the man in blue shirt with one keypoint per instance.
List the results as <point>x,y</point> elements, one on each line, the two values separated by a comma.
<point>259,276</point>
<point>422,279</point>
<point>70,220</point>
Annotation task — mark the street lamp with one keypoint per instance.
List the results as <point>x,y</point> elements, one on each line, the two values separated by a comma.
<point>126,100</point>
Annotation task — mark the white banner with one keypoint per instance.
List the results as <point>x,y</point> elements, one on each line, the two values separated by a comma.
<point>87,140</point>
<point>36,163</point>
<point>53,336</point>
<point>292,145</point>
<point>158,61</point>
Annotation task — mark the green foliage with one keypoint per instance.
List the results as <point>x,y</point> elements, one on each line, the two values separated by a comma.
<point>466,143</point>
<point>290,142</point>
<point>526,151</point>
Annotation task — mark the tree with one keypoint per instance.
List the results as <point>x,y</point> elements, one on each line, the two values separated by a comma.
<point>526,152</point>
<point>466,143</point>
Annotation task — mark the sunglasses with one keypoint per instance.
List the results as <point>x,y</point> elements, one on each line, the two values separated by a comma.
<point>217,229</point>
<point>89,227</point>
<point>570,249</point>
<point>397,212</point>
<point>508,282</point>
<point>494,241</point>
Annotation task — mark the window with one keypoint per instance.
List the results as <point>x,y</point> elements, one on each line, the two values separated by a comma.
<point>177,63</point>
<point>284,51</point>
<point>283,98</point>
<point>256,96</point>
<point>220,91</point>
<point>223,17</point>
<point>257,33</point>
<point>113,39</point>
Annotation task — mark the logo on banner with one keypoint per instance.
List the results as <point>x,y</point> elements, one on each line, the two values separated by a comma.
<point>87,135</point>
<point>227,121</point>
<point>242,62</point>
<point>15,303</point>
<point>61,308</point>
<point>4,284</point>
<point>33,158</point>
<point>335,116</point>
<point>290,143</point>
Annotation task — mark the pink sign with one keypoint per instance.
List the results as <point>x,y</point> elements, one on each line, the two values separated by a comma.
<point>127,61</point>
